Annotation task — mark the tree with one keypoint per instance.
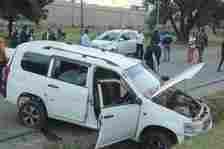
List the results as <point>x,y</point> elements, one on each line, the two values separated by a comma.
<point>32,9</point>
<point>188,14</point>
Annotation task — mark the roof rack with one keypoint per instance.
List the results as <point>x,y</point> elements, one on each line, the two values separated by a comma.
<point>83,55</point>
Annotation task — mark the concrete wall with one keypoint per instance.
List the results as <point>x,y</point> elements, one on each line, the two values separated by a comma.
<point>62,13</point>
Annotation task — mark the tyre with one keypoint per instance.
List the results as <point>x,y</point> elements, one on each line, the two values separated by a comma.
<point>32,115</point>
<point>156,140</point>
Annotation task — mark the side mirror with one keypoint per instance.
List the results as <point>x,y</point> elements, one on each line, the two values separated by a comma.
<point>138,101</point>
<point>165,78</point>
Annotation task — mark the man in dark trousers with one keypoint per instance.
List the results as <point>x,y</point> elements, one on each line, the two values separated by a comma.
<point>24,36</point>
<point>149,58</point>
<point>201,43</point>
<point>155,46</point>
<point>222,58</point>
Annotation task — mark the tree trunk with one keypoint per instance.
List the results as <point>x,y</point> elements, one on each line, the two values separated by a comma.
<point>10,26</point>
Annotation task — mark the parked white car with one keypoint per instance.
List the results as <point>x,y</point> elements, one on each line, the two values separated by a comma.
<point>120,41</point>
<point>108,92</point>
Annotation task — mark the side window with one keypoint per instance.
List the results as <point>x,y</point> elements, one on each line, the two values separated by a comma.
<point>125,36</point>
<point>36,63</point>
<point>70,72</point>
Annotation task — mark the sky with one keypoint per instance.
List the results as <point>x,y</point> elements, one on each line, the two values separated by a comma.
<point>119,3</point>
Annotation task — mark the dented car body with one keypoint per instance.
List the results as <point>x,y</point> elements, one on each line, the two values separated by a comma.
<point>115,95</point>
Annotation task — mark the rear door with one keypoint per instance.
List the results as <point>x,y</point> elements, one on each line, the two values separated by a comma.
<point>67,89</point>
<point>119,113</point>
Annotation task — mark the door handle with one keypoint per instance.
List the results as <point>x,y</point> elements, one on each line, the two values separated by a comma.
<point>108,116</point>
<point>52,86</point>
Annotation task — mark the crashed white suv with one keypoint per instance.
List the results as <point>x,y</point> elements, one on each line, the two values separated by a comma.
<point>108,92</point>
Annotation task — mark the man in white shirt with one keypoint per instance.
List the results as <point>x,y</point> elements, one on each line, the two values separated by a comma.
<point>140,45</point>
<point>85,40</point>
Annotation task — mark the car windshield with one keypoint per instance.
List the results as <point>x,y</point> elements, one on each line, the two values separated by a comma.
<point>146,81</point>
<point>109,36</point>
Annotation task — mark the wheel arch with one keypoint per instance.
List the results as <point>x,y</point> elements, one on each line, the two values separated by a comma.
<point>34,98</point>
<point>159,128</point>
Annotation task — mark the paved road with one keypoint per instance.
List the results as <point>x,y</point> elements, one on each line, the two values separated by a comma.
<point>10,127</point>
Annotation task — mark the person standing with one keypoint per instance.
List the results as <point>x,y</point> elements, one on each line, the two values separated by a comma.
<point>166,42</point>
<point>3,57</point>
<point>24,37</point>
<point>52,36</point>
<point>140,45</point>
<point>148,57</point>
<point>46,34</point>
<point>31,34</point>
<point>14,39</point>
<point>60,34</point>
<point>222,58</point>
<point>201,42</point>
<point>85,40</point>
<point>156,48</point>
<point>191,48</point>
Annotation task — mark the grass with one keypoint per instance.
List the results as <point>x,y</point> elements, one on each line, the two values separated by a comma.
<point>60,146</point>
<point>215,138</point>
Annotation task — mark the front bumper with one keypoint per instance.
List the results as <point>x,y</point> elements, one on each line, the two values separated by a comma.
<point>202,124</point>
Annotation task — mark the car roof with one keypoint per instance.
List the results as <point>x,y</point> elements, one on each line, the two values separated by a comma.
<point>111,58</point>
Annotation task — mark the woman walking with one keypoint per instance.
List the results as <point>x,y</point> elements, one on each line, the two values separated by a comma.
<point>192,52</point>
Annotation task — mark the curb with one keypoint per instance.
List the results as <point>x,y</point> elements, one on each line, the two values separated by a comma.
<point>16,136</point>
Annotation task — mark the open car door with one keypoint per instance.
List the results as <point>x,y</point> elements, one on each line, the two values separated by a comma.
<point>119,115</point>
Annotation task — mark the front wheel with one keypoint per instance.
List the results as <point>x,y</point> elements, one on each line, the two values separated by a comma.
<point>156,140</point>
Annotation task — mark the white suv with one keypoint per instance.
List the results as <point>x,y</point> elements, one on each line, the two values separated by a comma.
<point>108,92</point>
<point>120,41</point>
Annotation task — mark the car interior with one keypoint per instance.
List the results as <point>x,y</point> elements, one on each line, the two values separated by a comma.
<point>114,90</point>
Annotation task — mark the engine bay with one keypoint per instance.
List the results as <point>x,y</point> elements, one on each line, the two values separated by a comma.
<point>179,102</point>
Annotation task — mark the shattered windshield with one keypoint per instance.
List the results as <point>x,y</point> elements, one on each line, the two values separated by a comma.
<point>146,81</point>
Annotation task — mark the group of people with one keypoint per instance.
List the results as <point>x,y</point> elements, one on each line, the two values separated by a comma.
<point>51,34</point>
<point>160,44</point>
<point>26,34</point>
<point>18,37</point>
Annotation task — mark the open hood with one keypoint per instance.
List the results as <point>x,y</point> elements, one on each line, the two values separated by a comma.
<point>187,74</point>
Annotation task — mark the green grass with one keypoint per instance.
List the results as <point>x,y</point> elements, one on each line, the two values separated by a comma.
<point>214,139</point>
<point>60,146</point>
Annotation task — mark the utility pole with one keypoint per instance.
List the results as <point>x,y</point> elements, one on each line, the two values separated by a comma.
<point>73,13</point>
<point>158,11</point>
<point>82,18</point>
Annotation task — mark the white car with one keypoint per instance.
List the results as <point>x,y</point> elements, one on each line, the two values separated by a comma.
<point>120,41</point>
<point>108,92</point>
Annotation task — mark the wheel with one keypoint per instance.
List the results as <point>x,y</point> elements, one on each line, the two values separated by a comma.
<point>32,115</point>
<point>156,140</point>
